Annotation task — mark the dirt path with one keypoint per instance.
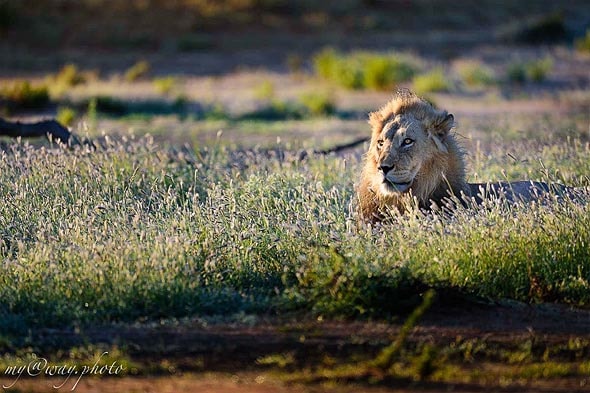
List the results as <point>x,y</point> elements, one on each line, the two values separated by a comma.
<point>508,347</point>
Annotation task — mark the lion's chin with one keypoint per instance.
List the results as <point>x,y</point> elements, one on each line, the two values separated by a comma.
<point>388,187</point>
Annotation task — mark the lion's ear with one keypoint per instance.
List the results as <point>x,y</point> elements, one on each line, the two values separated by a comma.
<point>442,127</point>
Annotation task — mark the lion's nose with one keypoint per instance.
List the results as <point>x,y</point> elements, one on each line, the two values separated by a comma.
<point>385,168</point>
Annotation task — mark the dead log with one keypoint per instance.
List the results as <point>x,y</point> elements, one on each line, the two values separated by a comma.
<point>46,128</point>
<point>340,148</point>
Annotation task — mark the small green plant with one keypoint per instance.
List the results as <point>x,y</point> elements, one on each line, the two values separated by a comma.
<point>583,44</point>
<point>433,81</point>
<point>538,70</point>
<point>318,104</point>
<point>475,74</point>
<point>216,112</point>
<point>165,85</point>
<point>534,71</point>
<point>66,116</point>
<point>66,78</point>
<point>265,91</point>
<point>69,76</point>
<point>138,71</point>
<point>23,95</point>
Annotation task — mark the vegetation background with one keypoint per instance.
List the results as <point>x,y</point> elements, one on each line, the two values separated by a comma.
<point>194,231</point>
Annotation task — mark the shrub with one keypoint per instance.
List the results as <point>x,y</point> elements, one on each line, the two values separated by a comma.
<point>534,71</point>
<point>474,73</point>
<point>138,71</point>
<point>265,91</point>
<point>537,70</point>
<point>383,73</point>
<point>318,104</point>
<point>432,81</point>
<point>23,95</point>
<point>164,85</point>
<point>69,76</point>
<point>363,70</point>
<point>66,116</point>
<point>583,44</point>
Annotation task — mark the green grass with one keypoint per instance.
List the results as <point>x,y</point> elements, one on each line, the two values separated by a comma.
<point>363,70</point>
<point>133,231</point>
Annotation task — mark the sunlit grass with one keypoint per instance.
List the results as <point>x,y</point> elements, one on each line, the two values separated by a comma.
<point>132,230</point>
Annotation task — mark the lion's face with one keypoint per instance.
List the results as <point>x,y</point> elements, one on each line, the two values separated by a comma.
<point>411,151</point>
<point>399,150</point>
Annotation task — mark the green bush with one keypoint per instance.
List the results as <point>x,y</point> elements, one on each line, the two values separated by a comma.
<point>383,73</point>
<point>537,70</point>
<point>66,116</point>
<point>433,81</point>
<point>534,71</point>
<point>69,76</point>
<point>475,74</point>
<point>23,95</point>
<point>265,91</point>
<point>318,104</point>
<point>363,70</point>
<point>165,85</point>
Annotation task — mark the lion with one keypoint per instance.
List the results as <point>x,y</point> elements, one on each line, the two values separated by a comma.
<point>414,156</point>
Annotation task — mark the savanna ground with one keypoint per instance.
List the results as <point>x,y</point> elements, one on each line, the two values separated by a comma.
<point>196,236</point>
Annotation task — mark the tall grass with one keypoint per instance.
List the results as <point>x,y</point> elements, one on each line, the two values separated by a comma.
<point>132,230</point>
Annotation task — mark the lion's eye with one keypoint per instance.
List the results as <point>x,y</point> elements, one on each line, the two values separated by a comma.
<point>407,142</point>
<point>380,143</point>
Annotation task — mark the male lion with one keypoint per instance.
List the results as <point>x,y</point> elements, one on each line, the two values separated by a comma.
<point>414,154</point>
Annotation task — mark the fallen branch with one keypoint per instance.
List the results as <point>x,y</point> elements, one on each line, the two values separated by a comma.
<point>339,148</point>
<point>44,128</point>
